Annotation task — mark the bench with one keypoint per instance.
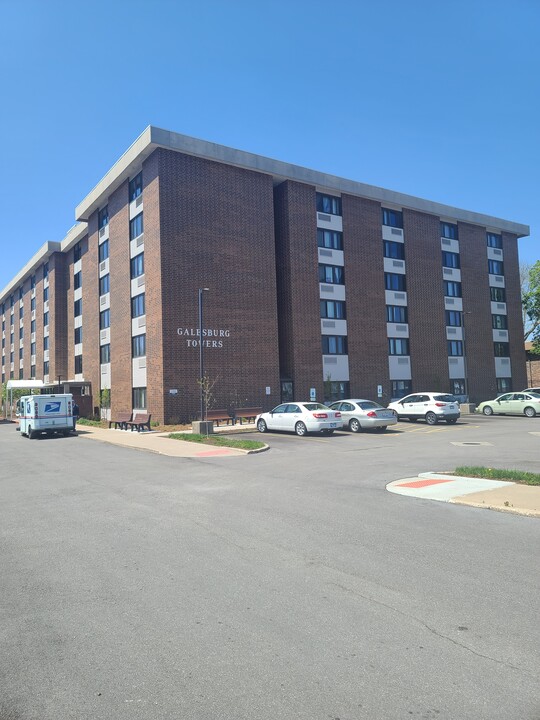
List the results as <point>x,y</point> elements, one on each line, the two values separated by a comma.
<point>140,422</point>
<point>246,414</point>
<point>121,421</point>
<point>218,416</point>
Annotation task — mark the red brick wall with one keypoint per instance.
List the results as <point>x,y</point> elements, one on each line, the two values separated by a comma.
<point>120,284</point>
<point>514,310</point>
<point>90,309</point>
<point>477,312</point>
<point>425,297</point>
<point>39,324</point>
<point>365,295</point>
<point>217,232</point>
<point>26,325</point>
<point>57,317</point>
<point>298,288</point>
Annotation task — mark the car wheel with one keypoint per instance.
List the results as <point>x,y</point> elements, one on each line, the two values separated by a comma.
<point>381,429</point>
<point>300,429</point>
<point>327,432</point>
<point>530,412</point>
<point>261,426</point>
<point>431,418</point>
<point>453,421</point>
<point>411,419</point>
<point>31,433</point>
<point>354,425</point>
<point>487,410</point>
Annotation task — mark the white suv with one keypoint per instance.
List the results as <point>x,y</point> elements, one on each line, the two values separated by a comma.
<point>428,406</point>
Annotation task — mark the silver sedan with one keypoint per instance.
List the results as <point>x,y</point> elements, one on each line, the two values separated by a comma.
<point>361,415</point>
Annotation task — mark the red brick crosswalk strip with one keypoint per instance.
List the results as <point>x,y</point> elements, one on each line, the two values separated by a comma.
<point>422,483</point>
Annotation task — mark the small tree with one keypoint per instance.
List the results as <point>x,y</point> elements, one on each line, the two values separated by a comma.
<point>207,384</point>
<point>530,293</point>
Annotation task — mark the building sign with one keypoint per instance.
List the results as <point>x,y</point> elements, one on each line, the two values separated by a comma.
<point>211,338</point>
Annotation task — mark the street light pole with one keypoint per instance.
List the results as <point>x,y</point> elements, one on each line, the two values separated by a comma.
<point>201,359</point>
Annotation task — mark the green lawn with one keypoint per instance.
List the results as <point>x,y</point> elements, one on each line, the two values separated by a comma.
<point>217,440</point>
<point>518,476</point>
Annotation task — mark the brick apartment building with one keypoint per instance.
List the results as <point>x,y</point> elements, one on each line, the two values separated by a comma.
<point>316,284</point>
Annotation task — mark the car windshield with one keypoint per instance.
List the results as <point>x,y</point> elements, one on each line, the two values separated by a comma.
<point>535,395</point>
<point>445,398</point>
<point>369,405</point>
<point>315,406</point>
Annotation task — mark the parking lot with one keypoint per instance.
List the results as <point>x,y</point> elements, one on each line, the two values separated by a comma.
<point>283,584</point>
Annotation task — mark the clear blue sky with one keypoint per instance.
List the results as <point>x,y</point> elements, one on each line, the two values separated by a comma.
<point>436,99</point>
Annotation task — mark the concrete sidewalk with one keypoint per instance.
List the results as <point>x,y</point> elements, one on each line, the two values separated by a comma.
<point>159,443</point>
<point>476,492</point>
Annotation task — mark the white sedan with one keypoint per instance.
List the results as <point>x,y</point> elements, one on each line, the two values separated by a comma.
<point>301,418</point>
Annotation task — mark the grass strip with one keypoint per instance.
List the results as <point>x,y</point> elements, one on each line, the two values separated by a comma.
<point>91,423</point>
<point>219,441</point>
<point>518,476</point>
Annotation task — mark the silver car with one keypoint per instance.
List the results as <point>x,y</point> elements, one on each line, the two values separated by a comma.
<point>301,418</point>
<point>361,415</point>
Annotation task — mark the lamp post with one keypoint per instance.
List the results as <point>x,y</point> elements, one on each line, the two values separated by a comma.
<point>201,359</point>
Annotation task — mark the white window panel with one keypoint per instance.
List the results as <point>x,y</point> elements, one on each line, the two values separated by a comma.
<point>333,327</point>
<point>500,335</point>
<point>397,330</point>
<point>451,303</point>
<point>399,367</point>
<point>331,257</point>
<point>337,366</point>
<point>456,367</point>
<point>496,281</point>
<point>393,265</point>
<point>329,222</point>
<point>495,253</point>
<point>395,297</point>
<point>503,368</point>
<point>392,233</point>
<point>331,292</point>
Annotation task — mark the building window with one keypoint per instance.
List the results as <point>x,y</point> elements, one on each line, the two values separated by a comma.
<point>452,289</point>
<point>104,285</point>
<point>333,309</point>
<point>328,204</point>
<point>45,294</point>
<point>78,364</point>
<point>495,267</point>
<point>396,313</point>
<point>21,333</point>
<point>334,345</point>
<point>398,346</point>
<point>501,349</point>
<point>103,217</point>
<point>395,281</point>
<point>46,342</point>
<point>455,348</point>
<point>137,266</point>
<point>11,338</point>
<point>105,354</point>
<point>33,326</point>
<point>135,187</point>
<point>103,251</point>
<point>504,385</point>
<point>11,356</point>
<point>453,318</point>
<point>137,306</point>
<point>45,319</point>
<point>77,308</point>
<point>32,372</point>
<point>32,348</point>
<point>139,398</point>
<point>331,274</point>
<point>21,350</point>
<point>21,292</point>
<point>21,373</point>
<point>45,271</point>
<point>450,259</point>
<point>329,239</point>
<point>457,387</point>
<point>335,390</point>
<point>393,250</point>
<point>46,367</point>
<point>104,319</point>
<point>500,322</point>
<point>32,282</point>
<point>21,311</point>
<point>393,218</point>
<point>138,346</point>
<point>493,240</point>
<point>449,231</point>
<point>497,294</point>
<point>77,280</point>
<point>11,301</point>
<point>78,335</point>
<point>136,226</point>
<point>77,252</point>
<point>400,388</point>
<point>33,303</point>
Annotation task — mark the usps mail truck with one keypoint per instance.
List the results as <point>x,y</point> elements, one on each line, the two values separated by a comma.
<point>45,414</point>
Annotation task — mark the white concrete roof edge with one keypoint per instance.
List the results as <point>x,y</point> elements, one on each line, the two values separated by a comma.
<point>154,137</point>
